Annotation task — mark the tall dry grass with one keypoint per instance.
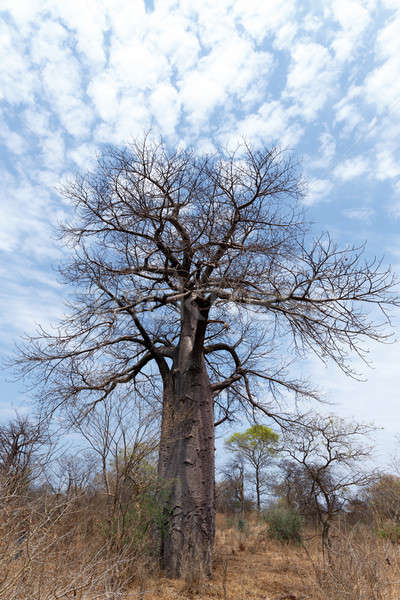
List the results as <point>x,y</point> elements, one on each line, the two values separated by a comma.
<point>57,546</point>
<point>361,566</point>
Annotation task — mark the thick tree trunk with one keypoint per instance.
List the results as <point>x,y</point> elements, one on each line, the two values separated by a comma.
<point>186,463</point>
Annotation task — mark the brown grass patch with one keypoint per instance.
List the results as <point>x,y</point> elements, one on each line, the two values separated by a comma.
<point>250,566</point>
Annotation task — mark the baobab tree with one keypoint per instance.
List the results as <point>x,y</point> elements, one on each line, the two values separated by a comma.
<point>193,276</point>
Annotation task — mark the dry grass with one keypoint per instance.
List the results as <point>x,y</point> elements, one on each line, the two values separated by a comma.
<point>58,548</point>
<point>362,567</point>
<point>64,558</point>
<point>250,566</point>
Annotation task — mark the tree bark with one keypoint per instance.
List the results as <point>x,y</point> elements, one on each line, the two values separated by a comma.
<point>186,461</point>
<point>258,490</point>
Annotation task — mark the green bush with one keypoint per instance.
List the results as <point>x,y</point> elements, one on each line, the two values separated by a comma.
<point>390,530</point>
<point>239,523</point>
<point>285,524</point>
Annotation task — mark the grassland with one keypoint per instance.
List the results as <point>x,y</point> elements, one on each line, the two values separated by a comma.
<point>63,558</point>
<point>251,566</point>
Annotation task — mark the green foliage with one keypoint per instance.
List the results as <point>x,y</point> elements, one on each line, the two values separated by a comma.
<point>254,437</point>
<point>242,525</point>
<point>390,530</point>
<point>139,520</point>
<point>285,524</point>
<point>238,523</point>
<point>256,448</point>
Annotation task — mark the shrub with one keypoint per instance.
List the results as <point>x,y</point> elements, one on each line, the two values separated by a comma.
<point>285,524</point>
<point>239,523</point>
<point>390,530</point>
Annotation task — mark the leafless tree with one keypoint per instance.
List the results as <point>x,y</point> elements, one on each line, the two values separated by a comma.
<point>295,488</point>
<point>21,441</point>
<point>381,500</point>
<point>194,276</point>
<point>72,474</point>
<point>122,435</point>
<point>232,489</point>
<point>327,461</point>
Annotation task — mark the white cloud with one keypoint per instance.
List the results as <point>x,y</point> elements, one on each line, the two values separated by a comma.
<point>222,77</point>
<point>348,110</point>
<point>27,213</point>
<point>391,4</point>
<point>272,124</point>
<point>48,43</point>
<point>351,14</point>
<point>132,117</point>
<point>312,24</point>
<point>387,166</point>
<point>380,85</point>
<point>135,65</point>
<point>382,78</point>
<point>37,121</point>
<point>24,306</point>
<point>326,153</point>
<point>17,81</point>
<point>84,156</point>
<point>317,190</point>
<point>310,77</point>
<point>285,36</point>
<point>24,12</point>
<point>63,88</point>
<point>261,18</point>
<point>126,19</point>
<point>103,90</point>
<point>353,17</point>
<point>53,151</point>
<point>89,21</point>
<point>174,35</point>
<point>12,140</point>
<point>166,106</point>
<point>359,214</point>
<point>351,168</point>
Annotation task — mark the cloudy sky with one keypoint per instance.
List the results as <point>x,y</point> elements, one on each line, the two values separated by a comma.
<point>319,78</point>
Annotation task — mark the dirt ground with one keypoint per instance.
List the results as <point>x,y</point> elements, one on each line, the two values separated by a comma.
<point>251,566</point>
<point>248,566</point>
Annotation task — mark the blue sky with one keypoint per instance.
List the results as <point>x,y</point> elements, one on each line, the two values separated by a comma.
<point>319,78</point>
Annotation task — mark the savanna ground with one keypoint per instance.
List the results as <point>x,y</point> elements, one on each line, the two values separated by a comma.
<point>251,566</point>
<point>63,557</point>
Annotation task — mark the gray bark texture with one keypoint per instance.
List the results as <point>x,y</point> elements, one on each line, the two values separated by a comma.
<point>186,460</point>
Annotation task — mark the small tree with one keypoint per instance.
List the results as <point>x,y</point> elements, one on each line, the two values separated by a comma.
<point>233,484</point>
<point>257,446</point>
<point>122,436</point>
<point>295,489</point>
<point>330,454</point>
<point>230,492</point>
<point>20,442</point>
<point>382,498</point>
